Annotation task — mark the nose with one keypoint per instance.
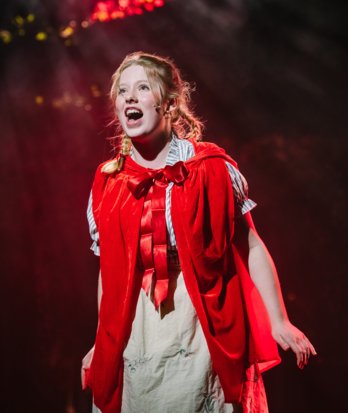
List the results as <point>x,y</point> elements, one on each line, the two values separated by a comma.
<point>130,97</point>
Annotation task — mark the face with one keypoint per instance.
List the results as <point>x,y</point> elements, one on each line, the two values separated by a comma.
<point>136,107</point>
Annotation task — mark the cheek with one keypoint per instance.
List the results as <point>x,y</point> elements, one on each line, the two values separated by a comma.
<point>153,117</point>
<point>119,105</point>
<point>148,100</point>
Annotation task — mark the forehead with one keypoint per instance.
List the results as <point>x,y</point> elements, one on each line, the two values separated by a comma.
<point>133,74</point>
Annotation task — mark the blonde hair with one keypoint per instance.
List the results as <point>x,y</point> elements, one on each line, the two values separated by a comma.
<point>167,85</point>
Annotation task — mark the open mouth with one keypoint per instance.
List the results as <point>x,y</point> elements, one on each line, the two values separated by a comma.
<point>133,114</point>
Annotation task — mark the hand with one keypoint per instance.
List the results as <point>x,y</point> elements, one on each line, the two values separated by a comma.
<point>86,364</point>
<point>290,337</point>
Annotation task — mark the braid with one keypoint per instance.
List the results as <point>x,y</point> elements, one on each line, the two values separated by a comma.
<point>116,165</point>
<point>189,123</point>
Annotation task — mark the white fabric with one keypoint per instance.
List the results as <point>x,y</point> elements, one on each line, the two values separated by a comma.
<point>167,365</point>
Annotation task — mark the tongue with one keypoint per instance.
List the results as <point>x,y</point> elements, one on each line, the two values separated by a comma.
<point>132,119</point>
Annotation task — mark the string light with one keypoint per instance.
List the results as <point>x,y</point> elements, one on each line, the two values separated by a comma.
<point>30,18</point>
<point>39,100</point>
<point>5,36</point>
<point>96,92</point>
<point>104,11</point>
<point>68,100</point>
<point>19,20</point>
<point>66,32</point>
<point>41,36</point>
<point>110,10</point>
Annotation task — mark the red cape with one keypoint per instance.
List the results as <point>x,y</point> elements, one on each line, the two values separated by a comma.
<point>230,309</point>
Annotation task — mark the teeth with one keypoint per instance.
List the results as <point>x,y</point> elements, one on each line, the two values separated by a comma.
<point>132,111</point>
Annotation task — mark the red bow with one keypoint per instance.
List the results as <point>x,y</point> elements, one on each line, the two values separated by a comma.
<point>151,185</point>
<point>140,184</point>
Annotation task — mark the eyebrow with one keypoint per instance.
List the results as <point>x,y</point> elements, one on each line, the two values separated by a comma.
<point>138,81</point>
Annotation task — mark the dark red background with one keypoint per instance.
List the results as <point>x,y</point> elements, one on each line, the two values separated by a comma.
<point>272,86</point>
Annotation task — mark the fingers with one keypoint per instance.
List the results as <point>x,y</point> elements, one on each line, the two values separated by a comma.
<point>290,337</point>
<point>300,345</point>
<point>297,349</point>
<point>311,348</point>
<point>86,363</point>
<point>308,348</point>
<point>303,349</point>
<point>304,354</point>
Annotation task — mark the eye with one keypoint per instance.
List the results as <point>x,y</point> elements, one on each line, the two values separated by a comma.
<point>144,86</point>
<point>121,91</point>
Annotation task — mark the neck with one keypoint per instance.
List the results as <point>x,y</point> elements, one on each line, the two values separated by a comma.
<point>152,153</point>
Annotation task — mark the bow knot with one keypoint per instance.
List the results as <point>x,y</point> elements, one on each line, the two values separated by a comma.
<point>141,183</point>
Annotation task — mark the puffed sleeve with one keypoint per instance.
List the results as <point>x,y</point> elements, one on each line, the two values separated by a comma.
<point>93,227</point>
<point>240,190</point>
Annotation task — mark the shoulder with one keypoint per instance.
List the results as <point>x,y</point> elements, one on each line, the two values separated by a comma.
<point>180,150</point>
<point>185,149</point>
<point>211,152</point>
<point>101,173</point>
<point>100,177</point>
<point>206,145</point>
<point>99,170</point>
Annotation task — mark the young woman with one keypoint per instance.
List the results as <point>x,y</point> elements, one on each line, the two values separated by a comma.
<point>190,306</point>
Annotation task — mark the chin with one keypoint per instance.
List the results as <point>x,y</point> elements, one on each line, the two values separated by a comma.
<point>141,133</point>
<point>135,133</point>
<point>131,133</point>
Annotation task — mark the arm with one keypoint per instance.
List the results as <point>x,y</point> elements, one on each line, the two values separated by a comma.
<point>86,361</point>
<point>93,230</point>
<point>264,276</point>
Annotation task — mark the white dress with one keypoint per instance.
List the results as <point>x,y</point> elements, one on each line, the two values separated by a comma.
<point>167,365</point>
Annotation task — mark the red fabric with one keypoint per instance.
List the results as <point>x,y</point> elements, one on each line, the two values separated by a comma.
<point>254,398</point>
<point>153,231</point>
<point>230,310</point>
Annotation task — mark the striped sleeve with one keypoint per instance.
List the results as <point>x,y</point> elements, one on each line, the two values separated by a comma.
<point>240,190</point>
<point>93,227</point>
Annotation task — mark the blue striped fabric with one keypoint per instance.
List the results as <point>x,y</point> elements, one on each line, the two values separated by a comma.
<point>182,150</point>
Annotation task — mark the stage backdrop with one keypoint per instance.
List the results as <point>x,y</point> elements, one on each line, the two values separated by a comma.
<point>271,84</point>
